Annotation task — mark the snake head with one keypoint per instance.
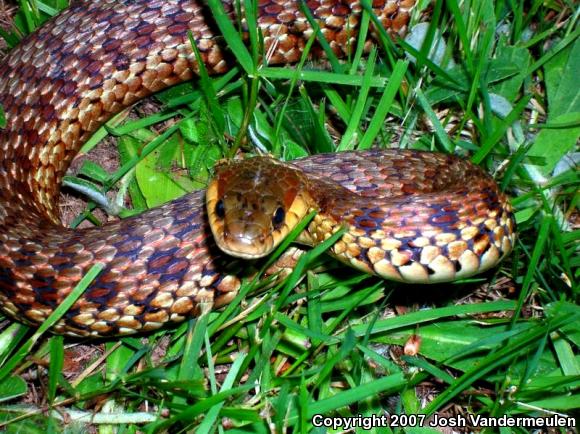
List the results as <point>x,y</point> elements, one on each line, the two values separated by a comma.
<point>253,204</point>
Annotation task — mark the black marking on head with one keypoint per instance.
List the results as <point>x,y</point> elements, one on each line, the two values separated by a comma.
<point>220,210</point>
<point>278,217</point>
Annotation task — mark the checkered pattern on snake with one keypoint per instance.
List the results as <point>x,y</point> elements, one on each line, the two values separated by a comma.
<point>435,217</point>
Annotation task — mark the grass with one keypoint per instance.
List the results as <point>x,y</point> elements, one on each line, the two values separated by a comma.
<point>502,90</point>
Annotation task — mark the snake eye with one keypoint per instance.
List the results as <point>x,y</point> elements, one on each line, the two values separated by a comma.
<point>220,210</point>
<point>278,217</point>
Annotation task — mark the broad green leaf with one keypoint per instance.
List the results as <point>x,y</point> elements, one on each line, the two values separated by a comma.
<point>156,182</point>
<point>562,82</point>
<point>552,144</point>
<point>513,59</point>
<point>12,387</point>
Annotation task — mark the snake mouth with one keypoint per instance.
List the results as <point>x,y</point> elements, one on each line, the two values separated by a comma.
<point>244,245</point>
<point>246,240</point>
<point>242,255</point>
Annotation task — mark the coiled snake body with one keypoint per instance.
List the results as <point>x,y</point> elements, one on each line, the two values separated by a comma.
<point>411,216</point>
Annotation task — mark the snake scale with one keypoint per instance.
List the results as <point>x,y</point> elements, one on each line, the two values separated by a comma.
<point>410,216</point>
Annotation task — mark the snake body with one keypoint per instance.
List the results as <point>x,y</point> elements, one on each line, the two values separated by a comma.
<point>410,216</point>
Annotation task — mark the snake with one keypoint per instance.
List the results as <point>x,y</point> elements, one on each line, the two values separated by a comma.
<point>406,215</point>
